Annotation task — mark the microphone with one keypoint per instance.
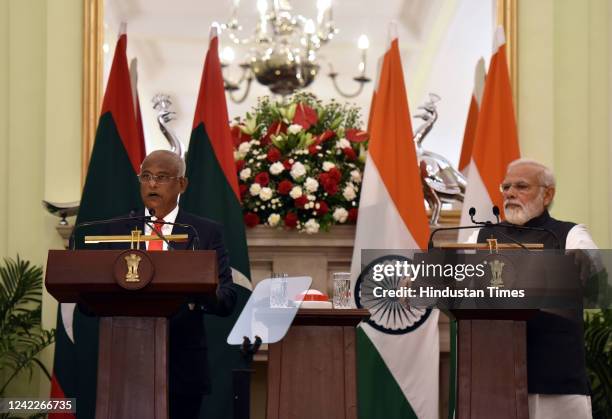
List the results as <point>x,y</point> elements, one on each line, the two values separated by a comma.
<point>496,212</point>
<point>490,224</point>
<point>155,231</point>
<point>472,213</point>
<point>72,240</point>
<point>196,236</point>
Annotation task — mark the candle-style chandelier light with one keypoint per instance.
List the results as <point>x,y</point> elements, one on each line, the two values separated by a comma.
<point>282,51</point>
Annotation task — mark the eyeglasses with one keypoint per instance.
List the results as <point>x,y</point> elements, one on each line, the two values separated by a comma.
<point>520,187</point>
<point>161,179</point>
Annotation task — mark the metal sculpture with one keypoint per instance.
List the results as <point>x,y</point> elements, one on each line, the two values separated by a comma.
<point>162,103</point>
<point>442,183</point>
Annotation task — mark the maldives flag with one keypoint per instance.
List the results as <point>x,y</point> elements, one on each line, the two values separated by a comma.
<point>469,134</point>
<point>213,193</point>
<point>397,372</point>
<point>111,189</point>
<point>496,142</point>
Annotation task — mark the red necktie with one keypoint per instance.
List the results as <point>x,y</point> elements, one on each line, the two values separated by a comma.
<point>157,244</point>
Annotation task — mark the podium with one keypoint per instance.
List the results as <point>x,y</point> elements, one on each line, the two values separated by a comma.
<point>134,292</point>
<point>492,344</point>
<point>312,371</point>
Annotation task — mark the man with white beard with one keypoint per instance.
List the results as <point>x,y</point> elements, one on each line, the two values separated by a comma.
<point>556,372</point>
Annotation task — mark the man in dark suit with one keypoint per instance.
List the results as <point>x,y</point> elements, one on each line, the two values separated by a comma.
<point>162,180</point>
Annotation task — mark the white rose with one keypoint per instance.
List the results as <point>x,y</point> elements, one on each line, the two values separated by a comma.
<point>276,168</point>
<point>340,214</point>
<point>297,170</point>
<point>342,143</point>
<point>311,226</point>
<point>255,189</point>
<point>311,184</point>
<point>356,176</point>
<point>273,219</point>
<point>245,173</point>
<point>265,194</point>
<point>311,197</point>
<point>294,129</point>
<point>244,147</point>
<point>295,192</point>
<point>349,192</point>
<point>327,166</point>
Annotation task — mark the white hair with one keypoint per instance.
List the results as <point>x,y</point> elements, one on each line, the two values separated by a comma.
<point>545,175</point>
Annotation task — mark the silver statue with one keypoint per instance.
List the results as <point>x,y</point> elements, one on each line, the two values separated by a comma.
<point>442,183</point>
<point>162,103</point>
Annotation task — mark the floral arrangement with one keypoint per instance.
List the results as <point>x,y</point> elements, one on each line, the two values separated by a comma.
<point>299,163</point>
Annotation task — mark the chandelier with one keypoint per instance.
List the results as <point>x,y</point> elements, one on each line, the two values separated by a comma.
<point>282,52</point>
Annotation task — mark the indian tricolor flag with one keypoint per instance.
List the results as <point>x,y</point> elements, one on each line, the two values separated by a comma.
<point>496,142</point>
<point>469,134</point>
<point>213,193</point>
<point>397,373</point>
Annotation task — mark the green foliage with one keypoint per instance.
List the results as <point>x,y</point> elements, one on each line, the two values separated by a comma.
<point>21,335</point>
<point>598,345</point>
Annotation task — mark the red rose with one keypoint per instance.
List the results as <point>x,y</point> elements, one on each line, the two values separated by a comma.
<point>335,174</point>
<point>274,155</point>
<point>251,219</point>
<point>284,187</point>
<point>287,165</point>
<point>349,153</point>
<point>331,188</point>
<point>238,136</point>
<point>305,116</point>
<point>262,178</point>
<point>291,220</point>
<point>312,149</point>
<point>329,183</point>
<point>243,189</point>
<point>352,215</point>
<point>300,201</point>
<point>239,165</point>
<point>323,208</point>
<point>356,135</point>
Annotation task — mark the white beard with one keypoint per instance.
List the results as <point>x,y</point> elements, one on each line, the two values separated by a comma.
<point>520,213</point>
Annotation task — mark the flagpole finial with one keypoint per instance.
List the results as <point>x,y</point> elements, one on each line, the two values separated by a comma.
<point>214,31</point>
<point>122,28</point>
<point>499,38</point>
<point>392,31</point>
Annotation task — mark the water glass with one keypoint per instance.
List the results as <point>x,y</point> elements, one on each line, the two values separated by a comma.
<point>278,291</point>
<point>342,290</point>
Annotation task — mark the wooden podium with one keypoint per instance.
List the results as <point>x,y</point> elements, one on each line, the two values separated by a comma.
<point>491,355</point>
<point>134,292</point>
<point>492,363</point>
<point>312,370</point>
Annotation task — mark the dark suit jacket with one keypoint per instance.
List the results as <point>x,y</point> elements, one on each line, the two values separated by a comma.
<point>188,363</point>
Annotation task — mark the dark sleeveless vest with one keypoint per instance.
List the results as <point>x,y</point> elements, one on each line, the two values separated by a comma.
<point>555,345</point>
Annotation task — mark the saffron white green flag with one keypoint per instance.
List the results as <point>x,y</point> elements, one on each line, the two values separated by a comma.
<point>397,364</point>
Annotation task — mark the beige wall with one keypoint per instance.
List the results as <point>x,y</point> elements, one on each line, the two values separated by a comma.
<point>40,100</point>
<point>564,104</point>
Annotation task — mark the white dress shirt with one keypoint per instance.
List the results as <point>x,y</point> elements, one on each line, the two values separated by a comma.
<point>166,229</point>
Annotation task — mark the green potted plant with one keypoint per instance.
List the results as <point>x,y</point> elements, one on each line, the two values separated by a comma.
<point>598,345</point>
<point>21,336</point>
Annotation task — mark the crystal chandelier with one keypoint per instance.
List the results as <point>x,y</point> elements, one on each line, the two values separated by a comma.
<point>282,51</point>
